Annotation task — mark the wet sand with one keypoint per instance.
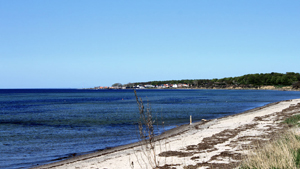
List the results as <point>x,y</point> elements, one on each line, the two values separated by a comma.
<point>218,143</point>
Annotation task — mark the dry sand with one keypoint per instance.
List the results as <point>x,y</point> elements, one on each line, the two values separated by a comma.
<point>218,143</point>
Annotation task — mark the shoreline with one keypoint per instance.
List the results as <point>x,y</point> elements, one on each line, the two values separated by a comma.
<point>131,152</point>
<point>203,88</point>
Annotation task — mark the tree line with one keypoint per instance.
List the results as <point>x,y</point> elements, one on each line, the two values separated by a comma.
<point>249,80</point>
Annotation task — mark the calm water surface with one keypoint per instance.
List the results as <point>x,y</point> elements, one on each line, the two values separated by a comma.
<point>45,125</point>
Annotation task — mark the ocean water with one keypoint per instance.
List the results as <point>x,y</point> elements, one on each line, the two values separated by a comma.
<point>40,126</point>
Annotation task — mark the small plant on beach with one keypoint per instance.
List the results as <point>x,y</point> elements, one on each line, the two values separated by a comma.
<point>279,154</point>
<point>146,132</point>
<point>293,121</point>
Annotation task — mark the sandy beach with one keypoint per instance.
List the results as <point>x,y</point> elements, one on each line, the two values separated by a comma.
<point>218,143</point>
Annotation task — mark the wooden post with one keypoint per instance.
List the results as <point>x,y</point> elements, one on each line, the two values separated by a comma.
<point>190,119</point>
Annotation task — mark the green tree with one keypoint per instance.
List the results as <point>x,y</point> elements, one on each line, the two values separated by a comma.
<point>117,85</point>
<point>278,80</point>
<point>273,80</point>
<point>284,80</point>
<point>195,83</point>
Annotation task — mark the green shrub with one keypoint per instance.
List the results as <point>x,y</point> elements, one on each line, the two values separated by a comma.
<point>294,120</point>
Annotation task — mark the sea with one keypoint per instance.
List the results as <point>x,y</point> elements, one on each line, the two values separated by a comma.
<point>40,126</point>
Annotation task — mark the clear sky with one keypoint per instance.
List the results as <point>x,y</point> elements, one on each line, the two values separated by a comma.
<point>80,44</point>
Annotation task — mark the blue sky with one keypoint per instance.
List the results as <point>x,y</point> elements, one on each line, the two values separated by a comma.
<point>79,44</point>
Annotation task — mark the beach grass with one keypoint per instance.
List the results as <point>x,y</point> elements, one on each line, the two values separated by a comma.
<point>293,121</point>
<point>283,153</point>
<point>278,154</point>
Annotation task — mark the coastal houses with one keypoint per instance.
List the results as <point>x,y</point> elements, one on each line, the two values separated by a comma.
<point>162,86</point>
<point>149,86</point>
<point>145,86</point>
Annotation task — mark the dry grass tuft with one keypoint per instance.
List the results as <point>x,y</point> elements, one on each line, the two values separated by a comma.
<point>279,154</point>
<point>146,134</point>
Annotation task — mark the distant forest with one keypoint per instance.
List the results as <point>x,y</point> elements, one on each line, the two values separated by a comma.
<point>246,81</point>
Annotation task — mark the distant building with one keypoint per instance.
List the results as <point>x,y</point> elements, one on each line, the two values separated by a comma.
<point>160,86</point>
<point>140,87</point>
<point>149,86</point>
<point>180,85</point>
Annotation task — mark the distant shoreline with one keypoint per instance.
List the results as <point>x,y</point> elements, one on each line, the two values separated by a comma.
<point>287,88</point>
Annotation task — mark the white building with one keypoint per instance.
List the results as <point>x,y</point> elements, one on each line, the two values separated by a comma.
<point>149,86</point>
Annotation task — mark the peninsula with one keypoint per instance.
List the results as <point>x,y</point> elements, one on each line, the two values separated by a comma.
<point>271,81</point>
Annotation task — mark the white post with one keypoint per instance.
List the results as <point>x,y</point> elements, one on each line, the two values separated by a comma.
<point>190,119</point>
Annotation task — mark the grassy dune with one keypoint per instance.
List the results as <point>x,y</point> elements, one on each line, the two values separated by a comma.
<point>283,153</point>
